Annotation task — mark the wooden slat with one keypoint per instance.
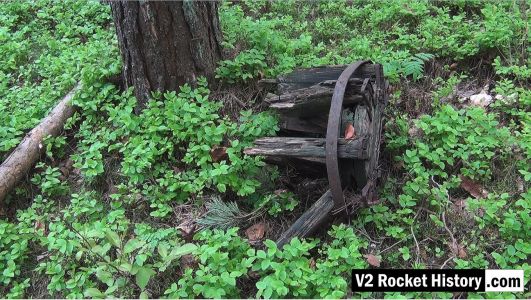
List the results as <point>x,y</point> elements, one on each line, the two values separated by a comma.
<point>363,126</point>
<point>310,147</point>
<point>306,224</point>
<point>303,78</point>
<point>313,100</point>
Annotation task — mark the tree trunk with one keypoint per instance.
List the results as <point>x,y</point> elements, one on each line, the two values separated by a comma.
<point>165,44</point>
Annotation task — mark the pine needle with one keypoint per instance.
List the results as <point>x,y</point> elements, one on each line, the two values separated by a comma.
<point>224,215</point>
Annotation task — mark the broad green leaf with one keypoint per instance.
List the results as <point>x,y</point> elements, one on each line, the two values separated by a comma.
<point>163,250</point>
<point>143,275</point>
<point>93,293</point>
<point>125,267</point>
<point>132,245</point>
<point>105,277</point>
<point>183,250</point>
<point>113,238</point>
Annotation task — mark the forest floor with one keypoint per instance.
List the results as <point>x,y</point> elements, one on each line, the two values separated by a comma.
<point>165,204</point>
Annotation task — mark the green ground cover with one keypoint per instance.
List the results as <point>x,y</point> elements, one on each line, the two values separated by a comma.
<point>103,213</point>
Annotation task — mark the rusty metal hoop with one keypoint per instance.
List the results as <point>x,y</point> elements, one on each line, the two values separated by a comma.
<point>332,133</point>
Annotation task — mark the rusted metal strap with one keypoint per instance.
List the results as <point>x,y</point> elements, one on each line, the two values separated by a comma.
<point>332,134</point>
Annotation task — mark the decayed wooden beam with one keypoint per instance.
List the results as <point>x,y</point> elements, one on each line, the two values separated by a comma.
<point>306,224</point>
<point>362,126</point>
<point>311,100</point>
<point>310,147</point>
<point>26,154</point>
<point>302,78</point>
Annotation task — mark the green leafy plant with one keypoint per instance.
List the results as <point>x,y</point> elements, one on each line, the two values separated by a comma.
<point>247,65</point>
<point>278,202</point>
<point>109,229</point>
<point>186,123</point>
<point>13,252</point>
<point>406,65</point>
<point>55,144</point>
<point>49,181</point>
<point>222,259</point>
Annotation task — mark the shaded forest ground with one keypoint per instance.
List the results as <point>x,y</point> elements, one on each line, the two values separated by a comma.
<point>115,206</point>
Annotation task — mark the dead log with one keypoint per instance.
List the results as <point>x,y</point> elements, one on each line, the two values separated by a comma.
<point>306,224</point>
<point>27,153</point>
<point>307,147</point>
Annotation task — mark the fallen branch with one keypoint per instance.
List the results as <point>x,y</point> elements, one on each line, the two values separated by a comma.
<point>27,153</point>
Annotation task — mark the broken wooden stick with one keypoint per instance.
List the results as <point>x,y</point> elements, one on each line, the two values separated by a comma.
<point>318,213</point>
<point>27,153</point>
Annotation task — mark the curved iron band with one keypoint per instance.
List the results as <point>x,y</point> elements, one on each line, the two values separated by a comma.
<point>332,133</point>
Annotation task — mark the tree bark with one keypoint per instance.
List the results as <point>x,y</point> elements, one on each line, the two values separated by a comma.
<point>27,153</point>
<point>165,44</point>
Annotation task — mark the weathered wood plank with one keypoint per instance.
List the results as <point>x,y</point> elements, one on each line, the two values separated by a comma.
<point>310,147</point>
<point>306,224</point>
<point>302,78</point>
<point>314,99</point>
<point>363,126</point>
